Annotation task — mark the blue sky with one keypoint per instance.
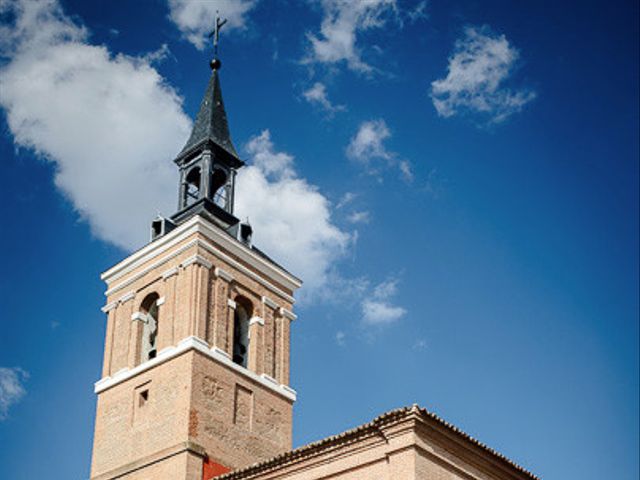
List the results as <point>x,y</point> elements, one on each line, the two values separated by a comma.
<point>458,180</point>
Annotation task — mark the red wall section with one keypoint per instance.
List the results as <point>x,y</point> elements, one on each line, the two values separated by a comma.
<point>211,469</point>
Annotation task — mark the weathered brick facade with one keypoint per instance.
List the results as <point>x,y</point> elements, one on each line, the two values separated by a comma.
<point>191,401</point>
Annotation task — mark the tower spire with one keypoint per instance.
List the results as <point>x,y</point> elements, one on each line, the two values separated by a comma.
<point>208,162</point>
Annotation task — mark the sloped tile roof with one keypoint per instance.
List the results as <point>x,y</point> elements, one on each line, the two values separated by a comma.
<point>354,434</point>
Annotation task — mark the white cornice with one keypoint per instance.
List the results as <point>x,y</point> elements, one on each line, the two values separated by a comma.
<point>258,320</point>
<point>198,224</point>
<point>197,260</point>
<point>288,314</point>
<point>109,306</point>
<point>223,274</point>
<point>170,273</point>
<point>126,297</point>
<point>269,303</point>
<point>195,343</point>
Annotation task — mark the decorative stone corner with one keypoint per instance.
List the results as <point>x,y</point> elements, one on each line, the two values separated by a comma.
<point>126,297</point>
<point>223,274</point>
<point>109,306</point>
<point>197,260</point>
<point>170,273</point>
<point>288,314</point>
<point>269,303</point>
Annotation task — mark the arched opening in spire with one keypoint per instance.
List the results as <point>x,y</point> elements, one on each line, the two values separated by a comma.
<point>192,186</point>
<point>219,188</point>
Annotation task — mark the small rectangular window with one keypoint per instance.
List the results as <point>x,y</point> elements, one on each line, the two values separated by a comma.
<point>143,397</point>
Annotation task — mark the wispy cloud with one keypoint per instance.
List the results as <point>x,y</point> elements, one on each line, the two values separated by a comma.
<point>342,22</point>
<point>478,70</point>
<point>419,12</point>
<point>361,216</point>
<point>341,338</point>
<point>420,344</point>
<point>367,148</point>
<point>12,388</point>
<point>194,17</point>
<point>292,220</point>
<point>378,309</point>
<point>317,95</point>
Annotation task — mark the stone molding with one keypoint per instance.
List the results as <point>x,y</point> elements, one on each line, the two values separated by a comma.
<point>258,320</point>
<point>231,304</point>
<point>288,314</point>
<point>211,249</point>
<point>223,274</point>
<point>269,303</point>
<point>109,306</point>
<point>186,345</point>
<point>199,225</point>
<point>170,273</point>
<point>126,297</point>
<point>196,260</point>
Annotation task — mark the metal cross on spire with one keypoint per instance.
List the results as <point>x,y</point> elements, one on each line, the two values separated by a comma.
<point>216,32</point>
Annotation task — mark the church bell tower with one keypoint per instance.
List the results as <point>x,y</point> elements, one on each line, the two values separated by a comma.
<point>195,378</point>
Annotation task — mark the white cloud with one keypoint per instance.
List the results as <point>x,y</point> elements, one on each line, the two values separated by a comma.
<point>317,95</point>
<point>346,199</point>
<point>368,142</point>
<point>378,308</point>
<point>11,388</point>
<point>342,22</point>
<point>361,216</point>
<point>110,124</point>
<point>341,338</point>
<point>481,64</point>
<point>367,148</point>
<point>194,18</point>
<point>291,218</point>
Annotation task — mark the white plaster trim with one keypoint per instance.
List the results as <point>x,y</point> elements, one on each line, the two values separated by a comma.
<point>109,306</point>
<point>193,343</point>
<point>198,260</point>
<point>126,297</point>
<point>290,390</point>
<point>139,316</point>
<point>212,249</point>
<point>221,352</point>
<point>223,274</point>
<point>170,273</point>
<point>198,224</point>
<point>231,303</point>
<point>161,301</point>
<point>269,303</point>
<point>256,320</point>
<point>288,314</point>
<point>269,379</point>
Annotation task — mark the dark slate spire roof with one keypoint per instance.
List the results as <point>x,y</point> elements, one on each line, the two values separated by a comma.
<point>211,122</point>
